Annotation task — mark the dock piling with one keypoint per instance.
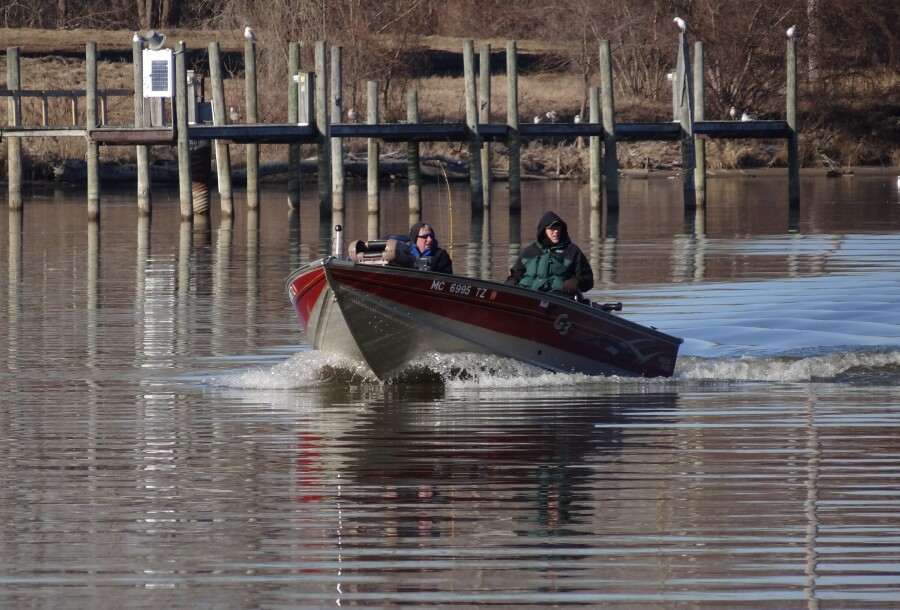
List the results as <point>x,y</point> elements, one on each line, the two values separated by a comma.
<point>476,186</point>
<point>322,124</point>
<point>142,151</point>
<point>793,148</point>
<point>514,141</point>
<point>699,115</point>
<point>293,180</point>
<point>251,118</point>
<point>223,155</point>
<point>594,151</point>
<point>337,144</point>
<point>93,148</point>
<point>414,168</point>
<point>185,194</point>
<point>373,150</point>
<point>610,160</point>
<point>484,116</point>
<point>14,117</point>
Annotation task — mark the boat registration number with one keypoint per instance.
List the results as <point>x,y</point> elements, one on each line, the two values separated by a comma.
<point>465,290</point>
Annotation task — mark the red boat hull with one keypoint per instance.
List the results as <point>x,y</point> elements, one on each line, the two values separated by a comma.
<point>393,316</point>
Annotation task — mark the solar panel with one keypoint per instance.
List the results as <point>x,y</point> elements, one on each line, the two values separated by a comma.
<point>158,73</point>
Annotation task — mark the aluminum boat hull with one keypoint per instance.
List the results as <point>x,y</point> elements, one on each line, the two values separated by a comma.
<point>391,316</point>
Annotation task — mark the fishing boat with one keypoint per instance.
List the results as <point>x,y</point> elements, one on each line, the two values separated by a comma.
<point>383,306</point>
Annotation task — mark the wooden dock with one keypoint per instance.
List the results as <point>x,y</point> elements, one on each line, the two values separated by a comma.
<point>310,122</point>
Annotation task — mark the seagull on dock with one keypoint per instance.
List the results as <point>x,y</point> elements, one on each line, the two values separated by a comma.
<point>792,32</point>
<point>733,113</point>
<point>137,38</point>
<point>747,117</point>
<point>352,115</point>
<point>552,116</point>
<point>681,23</point>
<point>537,120</point>
<point>233,114</point>
<point>249,35</point>
<point>577,119</point>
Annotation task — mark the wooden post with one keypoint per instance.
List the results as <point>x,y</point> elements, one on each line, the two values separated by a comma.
<point>686,118</point>
<point>594,151</point>
<point>610,161</point>
<point>412,160</point>
<point>252,118</point>
<point>322,124</point>
<point>223,155</point>
<point>14,117</point>
<point>337,144</point>
<point>700,115</point>
<point>475,180</point>
<point>142,151</point>
<point>185,194</point>
<point>374,195</point>
<point>514,142</point>
<point>93,149</point>
<point>293,180</point>
<point>484,116</point>
<point>791,116</point>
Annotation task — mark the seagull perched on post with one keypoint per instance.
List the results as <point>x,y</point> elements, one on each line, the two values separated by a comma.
<point>249,35</point>
<point>137,38</point>
<point>732,113</point>
<point>792,32</point>
<point>681,23</point>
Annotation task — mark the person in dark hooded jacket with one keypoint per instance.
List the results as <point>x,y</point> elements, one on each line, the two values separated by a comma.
<point>552,263</point>
<point>425,246</point>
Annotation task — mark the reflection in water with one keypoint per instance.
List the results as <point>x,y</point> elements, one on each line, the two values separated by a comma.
<point>167,436</point>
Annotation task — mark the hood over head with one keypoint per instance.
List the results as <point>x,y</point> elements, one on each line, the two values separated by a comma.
<point>548,219</point>
<point>414,234</point>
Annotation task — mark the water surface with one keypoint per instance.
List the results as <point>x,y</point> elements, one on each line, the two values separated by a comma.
<point>168,439</point>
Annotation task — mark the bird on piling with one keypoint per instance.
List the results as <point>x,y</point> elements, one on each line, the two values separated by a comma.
<point>351,115</point>
<point>733,113</point>
<point>249,35</point>
<point>233,114</point>
<point>681,23</point>
<point>792,32</point>
<point>137,38</point>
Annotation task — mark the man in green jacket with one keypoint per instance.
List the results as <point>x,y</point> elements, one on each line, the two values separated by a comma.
<point>552,263</point>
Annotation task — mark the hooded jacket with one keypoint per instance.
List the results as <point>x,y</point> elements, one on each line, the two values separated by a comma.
<point>545,266</point>
<point>440,259</point>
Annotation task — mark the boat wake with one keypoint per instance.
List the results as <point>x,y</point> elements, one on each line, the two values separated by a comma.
<point>313,369</point>
<point>842,366</point>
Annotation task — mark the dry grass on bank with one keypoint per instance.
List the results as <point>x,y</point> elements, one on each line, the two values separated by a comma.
<point>852,130</point>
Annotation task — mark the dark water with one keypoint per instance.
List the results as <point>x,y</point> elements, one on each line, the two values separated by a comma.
<point>167,438</point>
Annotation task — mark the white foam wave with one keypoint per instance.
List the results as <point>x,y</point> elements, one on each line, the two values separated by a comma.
<point>302,370</point>
<point>840,366</point>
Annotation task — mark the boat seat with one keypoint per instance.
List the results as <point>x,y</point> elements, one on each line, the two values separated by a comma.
<point>391,251</point>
